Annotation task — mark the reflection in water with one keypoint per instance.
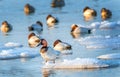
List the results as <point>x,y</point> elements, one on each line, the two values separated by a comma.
<point>96,3</point>
<point>24,59</point>
<point>75,35</point>
<point>48,72</point>
<point>5,34</point>
<point>78,35</point>
<point>66,72</point>
<point>57,10</point>
<point>89,18</point>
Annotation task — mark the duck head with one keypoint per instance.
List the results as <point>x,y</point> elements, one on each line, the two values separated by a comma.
<point>73,27</point>
<point>56,42</point>
<point>43,43</point>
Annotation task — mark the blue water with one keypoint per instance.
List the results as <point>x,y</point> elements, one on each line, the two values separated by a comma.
<point>71,13</point>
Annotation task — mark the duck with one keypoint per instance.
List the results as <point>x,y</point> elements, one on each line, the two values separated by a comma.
<point>28,9</point>
<point>51,21</point>
<point>79,29</point>
<point>6,27</point>
<point>48,53</point>
<point>57,3</point>
<point>38,27</point>
<point>33,40</point>
<point>61,46</point>
<point>89,13</point>
<point>105,13</point>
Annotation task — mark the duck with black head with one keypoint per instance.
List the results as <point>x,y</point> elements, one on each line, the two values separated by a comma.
<point>6,27</point>
<point>89,13</point>
<point>51,21</point>
<point>105,13</point>
<point>37,27</point>
<point>28,9</point>
<point>33,40</point>
<point>48,53</point>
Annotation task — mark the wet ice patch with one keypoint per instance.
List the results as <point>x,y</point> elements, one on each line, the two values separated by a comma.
<point>94,42</point>
<point>12,44</point>
<point>78,63</point>
<point>110,56</point>
<point>105,25</point>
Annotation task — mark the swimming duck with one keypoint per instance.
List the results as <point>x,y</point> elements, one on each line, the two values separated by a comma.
<point>33,40</point>
<point>105,13</point>
<point>60,45</point>
<point>28,9</point>
<point>79,29</point>
<point>51,21</point>
<point>89,13</point>
<point>48,53</point>
<point>57,3</point>
<point>38,26</point>
<point>6,27</point>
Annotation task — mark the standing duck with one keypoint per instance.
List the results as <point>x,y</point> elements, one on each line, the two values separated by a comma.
<point>6,27</point>
<point>28,9</point>
<point>79,29</point>
<point>48,53</point>
<point>105,13</point>
<point>33,40</point>
<point>89,13</point>
<point>38,27</point>
<point>51,21</point>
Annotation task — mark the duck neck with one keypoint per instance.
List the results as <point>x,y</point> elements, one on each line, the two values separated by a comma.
<point>44,43</point>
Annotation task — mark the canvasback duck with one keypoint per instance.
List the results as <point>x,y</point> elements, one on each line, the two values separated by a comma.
<point>33,40</point>
<point>48,53</point>
<point>51,21</point>
<point>57,3</point>
<point>79,29</point>
<point>6,27</point>
<point>89,13</point>
<point>105,13</point>
<point>60,45</point>
<point>28,9</point>
<point>38,27</point>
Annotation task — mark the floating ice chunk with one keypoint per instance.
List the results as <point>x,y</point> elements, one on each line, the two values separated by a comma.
<point>108,25</point>
<point>12,44</point>
<point>79,63</point>
<point>18,53</point>
<point>105,25</point>
<point>110,56</point>
<point>67,52</point>
<point>7,54</point>
<point>95,25</point>
<point>94,42</point>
